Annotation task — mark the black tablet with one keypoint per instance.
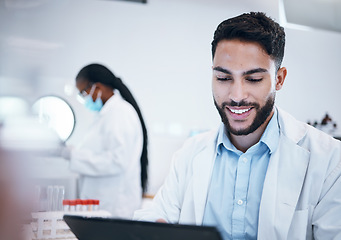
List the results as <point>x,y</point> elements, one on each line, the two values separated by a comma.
<point>95,228</point>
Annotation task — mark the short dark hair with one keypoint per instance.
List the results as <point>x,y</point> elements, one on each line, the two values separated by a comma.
<point>253,27</point>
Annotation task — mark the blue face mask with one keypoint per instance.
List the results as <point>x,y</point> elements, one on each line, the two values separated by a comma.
<point>93,105</point>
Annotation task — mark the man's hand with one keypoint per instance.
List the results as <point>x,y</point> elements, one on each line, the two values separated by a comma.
<point>161,220</point>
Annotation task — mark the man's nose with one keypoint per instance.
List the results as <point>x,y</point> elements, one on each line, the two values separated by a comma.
<point>238,91</point>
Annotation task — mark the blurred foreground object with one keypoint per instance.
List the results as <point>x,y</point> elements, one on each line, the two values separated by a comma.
<point>23,142</point>
<point>14,203</point>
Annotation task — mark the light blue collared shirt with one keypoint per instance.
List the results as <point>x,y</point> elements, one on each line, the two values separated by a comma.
<point>237,183</point>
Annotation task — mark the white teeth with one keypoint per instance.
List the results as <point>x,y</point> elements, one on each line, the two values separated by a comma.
<point>239,111</point>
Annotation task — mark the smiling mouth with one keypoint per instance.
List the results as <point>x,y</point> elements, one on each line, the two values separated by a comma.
<point>239,111</point>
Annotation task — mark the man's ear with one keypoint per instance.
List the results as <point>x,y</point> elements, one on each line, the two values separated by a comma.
<point>281,75</point>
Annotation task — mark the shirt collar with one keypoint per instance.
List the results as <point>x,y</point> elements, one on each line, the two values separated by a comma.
<point>224,141</point>
<point>270,136</point>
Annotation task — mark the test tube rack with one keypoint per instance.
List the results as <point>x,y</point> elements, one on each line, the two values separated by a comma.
<point>50,225</point>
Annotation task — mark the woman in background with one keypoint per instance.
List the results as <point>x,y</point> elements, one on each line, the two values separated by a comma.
<point>112,157</point>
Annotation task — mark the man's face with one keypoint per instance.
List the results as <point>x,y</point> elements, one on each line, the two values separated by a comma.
<point>244,85</point>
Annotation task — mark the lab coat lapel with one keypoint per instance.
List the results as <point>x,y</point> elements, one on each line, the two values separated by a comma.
<point>202,171</point>
<point>282,187</point>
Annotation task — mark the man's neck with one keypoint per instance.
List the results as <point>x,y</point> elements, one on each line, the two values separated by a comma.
<point>244,142</point>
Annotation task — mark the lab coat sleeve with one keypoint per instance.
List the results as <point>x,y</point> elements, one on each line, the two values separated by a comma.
<point>168,201</point>
<point>176,200</point>
<point>118,140</point>
<point>326,218</point>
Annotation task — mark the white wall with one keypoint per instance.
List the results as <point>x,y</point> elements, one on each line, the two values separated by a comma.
<point>313,84</point>
<point>161,50</point>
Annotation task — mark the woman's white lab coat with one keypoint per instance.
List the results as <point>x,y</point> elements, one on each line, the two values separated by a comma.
<point>108,159</point>
<point>302,190</point>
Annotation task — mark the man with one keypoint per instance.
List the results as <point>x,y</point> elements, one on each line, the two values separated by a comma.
<point>262,174</point>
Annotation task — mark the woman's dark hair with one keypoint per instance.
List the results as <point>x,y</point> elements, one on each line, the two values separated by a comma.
<point>253,27</point>
<point>99,73</point>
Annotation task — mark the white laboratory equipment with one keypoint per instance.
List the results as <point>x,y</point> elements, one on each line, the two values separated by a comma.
<point>50,225</point>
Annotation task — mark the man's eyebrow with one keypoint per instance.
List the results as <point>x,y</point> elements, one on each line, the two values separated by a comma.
<point>220,69</point>
<point>257,70</point>
<point>249,72</point>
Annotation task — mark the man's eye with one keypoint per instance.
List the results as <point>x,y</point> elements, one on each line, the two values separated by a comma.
<point>223,78</point>
<point>254,79</point>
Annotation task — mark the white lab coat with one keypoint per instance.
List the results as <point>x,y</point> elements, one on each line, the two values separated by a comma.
<point>302,190</point>
<point>108,159</point>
